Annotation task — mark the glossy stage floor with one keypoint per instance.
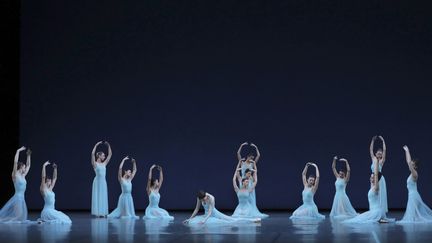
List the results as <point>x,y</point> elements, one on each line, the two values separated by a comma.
<point>277,228</point>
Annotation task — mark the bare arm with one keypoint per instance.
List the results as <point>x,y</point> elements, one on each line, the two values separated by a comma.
<point>93,154</point>
<point>334,167</point>
<point>28,162</point>
<point>384,150</point>
<point>149,179</point>
<point>15,167</point>
<point>54,180</point>
<point>258,153</point>
<point>348,169</point>
<point>108,158</point>
<point>255,177</point>
<point>197,207</point>
<point>239,151</point>
<point>304,174</point>
<point>160,176</point>
<point>234,180</point>
<point>210,208</point>
<point>43,176</point>
<point>134,168</point>
<point>317,179</point>
<point>376,171</point>
<point>408,160</point>
<point>120,171</point>
<point>371,148</point>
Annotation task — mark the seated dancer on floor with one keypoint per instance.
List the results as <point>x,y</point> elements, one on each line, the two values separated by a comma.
<point>211,214</point>
<point>416,210</point>
<point>49,214</point>
<point>341,207</point>
<point>125,206</point>
<point>153,211</point>
<point>308,210</point>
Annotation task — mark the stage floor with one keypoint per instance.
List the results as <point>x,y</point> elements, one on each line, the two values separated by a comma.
<point>277,228</point>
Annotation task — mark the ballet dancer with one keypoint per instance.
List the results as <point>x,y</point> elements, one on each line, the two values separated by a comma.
<point>153,211</point>
<point>341,207</point>
<point>211,214</point>
<point>416,210</point>
<point>125,206</point>
<point>99,205</point>
<point>380,157</point>
<point>15,210</point>
<point>308,210</point>
<point>49,214</point>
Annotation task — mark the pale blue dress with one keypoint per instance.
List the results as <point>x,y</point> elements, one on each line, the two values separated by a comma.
<point>49,214</point>
<point>382,189</point>
<point>416,210</point>
<point>252,195</point>
<point>125,206</point>
<point>375,212</point>
<point>153,211</point>
<point>217,217</point>
<point>341,207</point>
<point>15,210</point>
<point>99,206</point>
<point>308,210</point>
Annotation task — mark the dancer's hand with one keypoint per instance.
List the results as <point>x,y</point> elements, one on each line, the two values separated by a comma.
<point>54,166</point>
<point>29,152</point>
<point>243,144</point>
<point>22,149</point>
<point>46,163</point>
<point>405,148</point>
<point>186,221</point>
<point>335,158</point>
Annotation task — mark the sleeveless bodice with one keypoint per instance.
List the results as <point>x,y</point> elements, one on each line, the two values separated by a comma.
<point>126,186</point>
<point>243,196</point>
<point>307,196</point>
<point>100,170</point>
<point>340,185</point>
<point>154,199</point>
<point>244,167</point>
<point>49,198</point>
<point>20,185</point>
<point>379,167</point>
<point>411,184</point>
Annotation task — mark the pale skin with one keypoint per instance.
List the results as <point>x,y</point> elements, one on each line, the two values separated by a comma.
<point>48,184</point>
<point>374,179</point>
<point>311,182</point>
<point>23,170</point>
<point>128,175</point>
<point>379,156</point>
<point>341,174</point>
<point>245,183</point>
<point>411,164</point>
<point>249,159</point>
<point>208,199</point>
<point>101,159</point>
<point>158,183</point>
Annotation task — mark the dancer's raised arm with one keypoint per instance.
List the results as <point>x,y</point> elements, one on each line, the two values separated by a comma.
<point>384,150</point>
<point>160,176</point>
<point>336,174</point>
<point>93,154</point>
<point>255,177</point>
<point>348,169</point>
<point>371,147</point>
<point>43,177</point>
<point>54,179</point>
<point>149,179</point>
<point>235,179</point>
<point>134,168</point>
<point>304,174</point>
<point>376,177</point>
<point>239,151</point>
<point>120,171</point>
<point>317,178</point>
<point>410,163</point>
<point>15,167</point>
<point>28,162</point>
<point>257,151</point>
<point>107,160</point>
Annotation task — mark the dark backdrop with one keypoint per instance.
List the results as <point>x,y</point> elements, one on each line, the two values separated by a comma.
<point>182,84</point>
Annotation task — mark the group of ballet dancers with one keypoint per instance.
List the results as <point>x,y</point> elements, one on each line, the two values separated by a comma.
<point>244,181</point>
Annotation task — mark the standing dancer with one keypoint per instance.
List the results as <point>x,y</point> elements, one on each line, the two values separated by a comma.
<point>380,157</point>
<point>416,210</point>
<point>341,207</point>
<point>15,210</point>
<point>247,167</point>
<point>308,210</point>
<point>153,211</point>
<point>125,206</point>
<point>99,206</point>
<point>49,214</point>
<point>211,214</point>
<point>375,213</point>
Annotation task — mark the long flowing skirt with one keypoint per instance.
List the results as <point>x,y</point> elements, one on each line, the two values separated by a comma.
<point>416,211</point>
<point>99,206</point>
<point>50,215</point>
<point>307,211</point>
<point>14,211</point>
<point>342,207</point>
<point>125,207</point>
<point>157,213</point>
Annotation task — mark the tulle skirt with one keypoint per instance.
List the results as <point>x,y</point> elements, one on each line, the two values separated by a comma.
<point>14,211</point>
<point>220,218</point>
<point>416,211</point>
<point>254,212</point>
<point>342,207</point>
<point>125,207</point>
<point>157,213</point>
<point>307,211</point>
<point>50,215</point>
<point>383,194</point>
<point>99,206</point>
<point>247,210</point>
<point>371,216</point>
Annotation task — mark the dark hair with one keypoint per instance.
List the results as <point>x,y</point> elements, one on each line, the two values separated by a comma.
<point>98,154</point>
<point>201,194</point>
<point>244,179</point>
<point>250,155</point>
<point>311,176</point>
<point>247,171</point>
<point>20,164</point>
<point>152,182</point>
<point>416,162</point>
<point>380,149</point>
